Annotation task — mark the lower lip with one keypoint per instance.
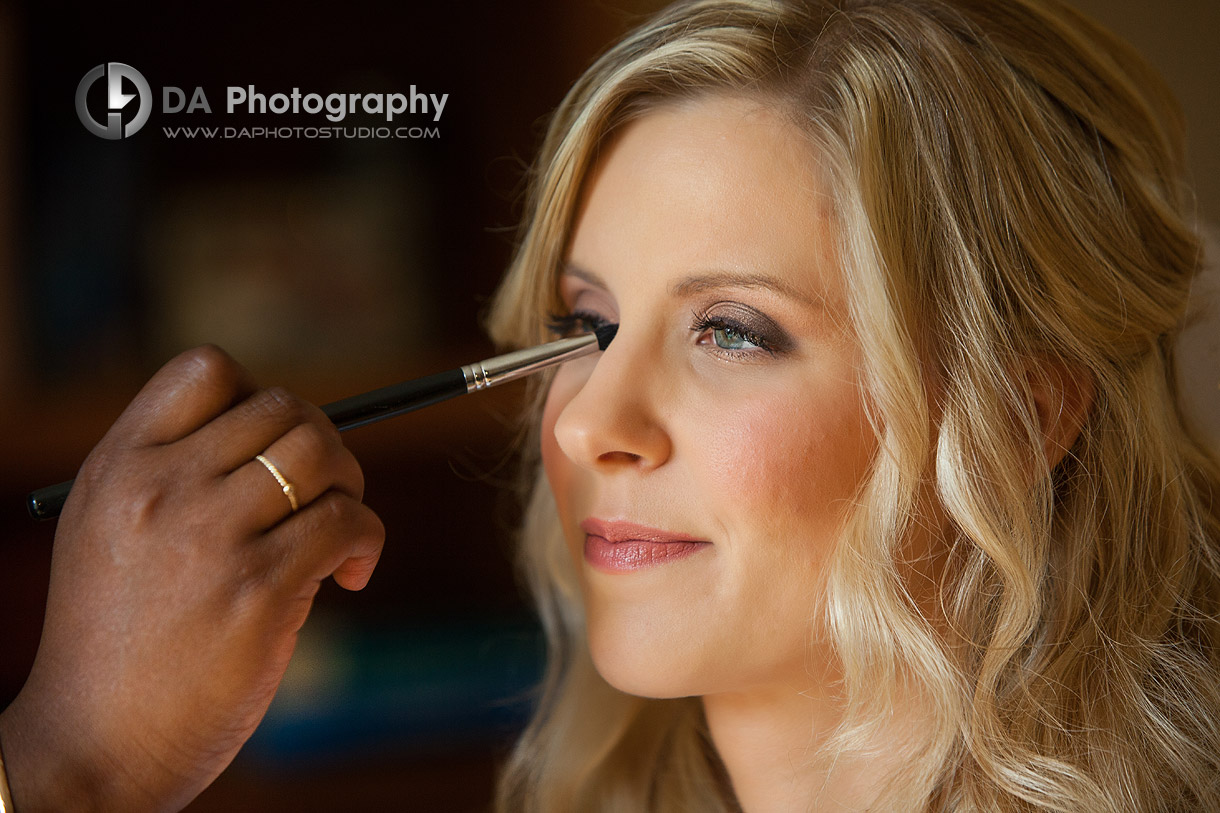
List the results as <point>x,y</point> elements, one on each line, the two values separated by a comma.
<point>635,554</point>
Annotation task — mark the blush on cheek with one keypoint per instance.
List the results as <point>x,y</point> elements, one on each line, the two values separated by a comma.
<point>785,457</point>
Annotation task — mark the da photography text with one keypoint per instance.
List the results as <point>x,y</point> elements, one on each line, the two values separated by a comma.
<point>121,105</point>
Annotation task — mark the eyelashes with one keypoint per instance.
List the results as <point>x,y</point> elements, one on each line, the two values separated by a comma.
<point>564,325</point>
<point>727,334</point>
<point>732,326</point>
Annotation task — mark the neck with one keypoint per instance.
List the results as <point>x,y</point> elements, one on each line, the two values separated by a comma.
<point>769,741</point>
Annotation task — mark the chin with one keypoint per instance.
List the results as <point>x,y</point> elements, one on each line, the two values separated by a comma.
<point>639,683</point>
<point>652,669</point>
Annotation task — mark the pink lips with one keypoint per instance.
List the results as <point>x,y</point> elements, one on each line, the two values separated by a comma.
<point>618,547</point>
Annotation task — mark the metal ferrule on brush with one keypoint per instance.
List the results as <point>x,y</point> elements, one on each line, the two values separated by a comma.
<point>520,363</point>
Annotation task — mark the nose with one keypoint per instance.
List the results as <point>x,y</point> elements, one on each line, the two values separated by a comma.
<point>612,419</point>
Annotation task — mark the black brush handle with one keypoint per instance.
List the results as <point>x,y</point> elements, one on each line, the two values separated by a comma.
<point>359,410</point>
<point>46,503</point>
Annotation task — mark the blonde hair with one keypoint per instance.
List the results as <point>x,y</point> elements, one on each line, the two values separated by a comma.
<point>1013,226</point>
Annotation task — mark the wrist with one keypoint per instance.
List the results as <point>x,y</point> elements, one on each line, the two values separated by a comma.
<point>6,796</point>
<point>46,771</point>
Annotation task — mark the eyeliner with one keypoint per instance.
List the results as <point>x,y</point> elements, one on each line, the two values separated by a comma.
<point>398,399</point>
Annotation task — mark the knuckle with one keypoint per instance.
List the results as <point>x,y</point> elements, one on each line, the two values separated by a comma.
<point>121,477</point>
<point>123,494</point>
<point>316,451</point>
<point>341,515</point>
<point>336,509</point>
<point>138,499</point>
<point>314,439</point>
<point>209,362</point>
<point>278,404</point>
<point>328,432</point>
<point>210,369</point>
<point>143,503</point>
<point>301,451</point>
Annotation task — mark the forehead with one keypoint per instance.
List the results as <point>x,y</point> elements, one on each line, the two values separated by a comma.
<point>716,184</point>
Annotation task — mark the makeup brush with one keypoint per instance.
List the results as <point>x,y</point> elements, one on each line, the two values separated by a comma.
<point>397,399</point>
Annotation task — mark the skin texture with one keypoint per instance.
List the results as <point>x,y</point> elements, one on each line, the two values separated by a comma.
<point>713,206</point>
<point>179,581</point>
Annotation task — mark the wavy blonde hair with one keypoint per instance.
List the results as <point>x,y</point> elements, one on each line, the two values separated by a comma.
<point>1015,230</point>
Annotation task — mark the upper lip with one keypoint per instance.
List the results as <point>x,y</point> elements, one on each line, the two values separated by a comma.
<point>614,530</point>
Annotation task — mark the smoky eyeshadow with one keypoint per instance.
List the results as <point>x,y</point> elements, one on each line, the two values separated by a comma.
<point>751,321</point>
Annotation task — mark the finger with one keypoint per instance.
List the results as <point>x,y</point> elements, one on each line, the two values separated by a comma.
<point>185,394</point>
<point>310,458</point>
<point>355,572</point>
<point>336,535</point>
<point>232,439</point>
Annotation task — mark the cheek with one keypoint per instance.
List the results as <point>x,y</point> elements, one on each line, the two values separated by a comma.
<point>786,464</point>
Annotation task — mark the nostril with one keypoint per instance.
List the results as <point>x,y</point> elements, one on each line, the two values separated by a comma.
<point>619,457</point>
<point>608,417</point>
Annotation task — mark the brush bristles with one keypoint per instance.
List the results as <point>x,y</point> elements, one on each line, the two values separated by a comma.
<point>605,335</point>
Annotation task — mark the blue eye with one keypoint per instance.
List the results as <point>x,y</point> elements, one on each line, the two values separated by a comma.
<point>727,338</point>
<point>734,336</point>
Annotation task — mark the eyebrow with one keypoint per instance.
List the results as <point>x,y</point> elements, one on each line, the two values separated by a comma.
<point>588,276</point>
<point>701,283</point>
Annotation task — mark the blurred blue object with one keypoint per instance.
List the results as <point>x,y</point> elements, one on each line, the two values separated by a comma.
<point>351,693</point>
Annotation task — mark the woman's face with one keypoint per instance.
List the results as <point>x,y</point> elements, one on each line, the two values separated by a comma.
<point>703,464</point>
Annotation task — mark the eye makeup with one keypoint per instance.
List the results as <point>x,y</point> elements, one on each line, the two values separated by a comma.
<point>733,324</point>
<point>729,327</point>
<point>732,327</point>
<point>574,323</point>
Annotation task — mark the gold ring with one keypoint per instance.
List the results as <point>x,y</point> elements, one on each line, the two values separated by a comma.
<point>289,489</point>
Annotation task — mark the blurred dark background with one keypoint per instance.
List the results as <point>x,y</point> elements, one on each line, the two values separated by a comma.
<point>330,267</point>
<point>333,267</point>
